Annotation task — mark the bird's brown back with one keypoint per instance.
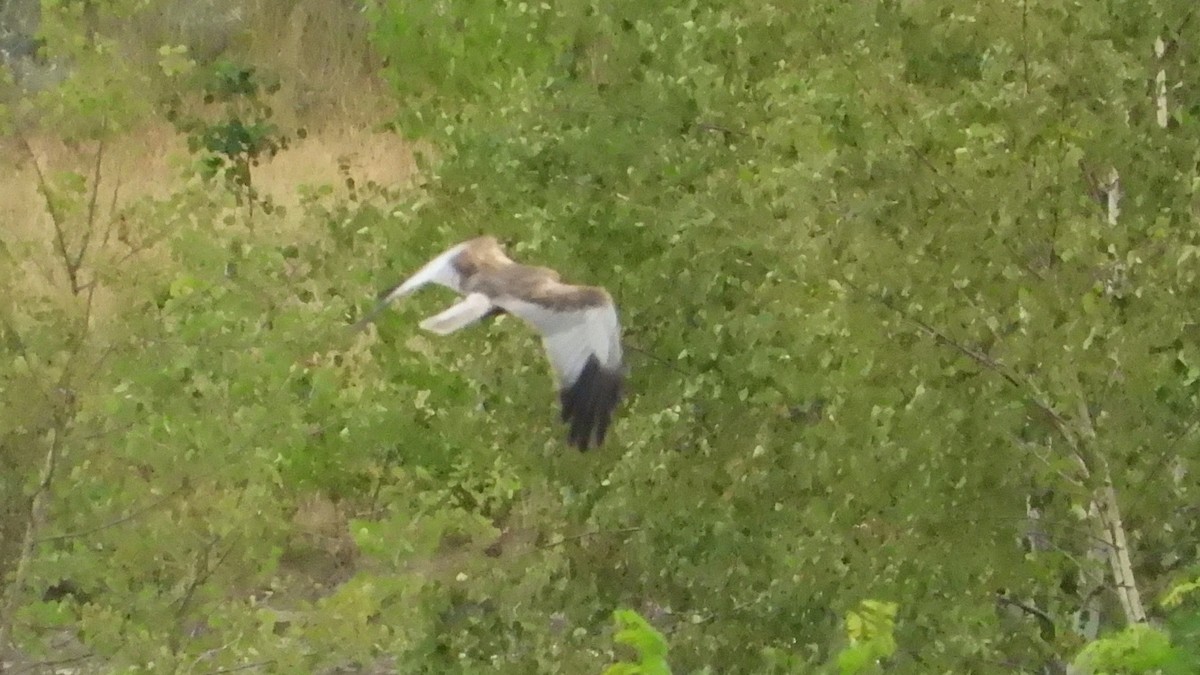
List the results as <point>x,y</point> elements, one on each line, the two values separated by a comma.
<point>486,269</point>
<point>539,285</point>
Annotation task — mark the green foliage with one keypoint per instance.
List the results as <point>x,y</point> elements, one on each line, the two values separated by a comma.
<point>780,198</point>
<point>1137,649</point>
<point>870,632</point>
<point>1183,622</point>
<point>650,645</point>
<point>465,48</point>
<point>869,298</point>
<point>238,134</point>
<point>1180,593</point>
<point>77,84</point>
<point>1168,648</point>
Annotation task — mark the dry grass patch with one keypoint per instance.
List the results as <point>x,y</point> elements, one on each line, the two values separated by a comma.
<point>151,164</point>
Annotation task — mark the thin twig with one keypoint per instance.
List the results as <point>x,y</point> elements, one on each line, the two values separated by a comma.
<point>119,521</point>
<point>24,352</point>
<point>143,245</point>
<point>235,669</point>
<point>91,214</point>
<point>1044,459</point>
<point>60,237</point>
<point>88,304</point>
<point>1025,44</point>
<point>203,572</point>
<point>108,432</point>
<point>38,665</point>
<point>112,213</point>
<point>1168,452</point>
<point>1027,388</point>
<point>592,533</point>
<point>37,513</point>
<point>1043,618</point>
<point>725,131</point>
<point>657,358</point>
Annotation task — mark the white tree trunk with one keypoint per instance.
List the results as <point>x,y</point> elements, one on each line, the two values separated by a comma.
<point>1160,82</point>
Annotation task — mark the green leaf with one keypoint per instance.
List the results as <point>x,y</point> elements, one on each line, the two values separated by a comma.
<point>1140,648</point>
<point>649,644</point>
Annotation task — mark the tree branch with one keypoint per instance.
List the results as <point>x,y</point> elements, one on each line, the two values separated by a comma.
<point>119,521</point>
<point>91,214</point>
<point>1112,529</point>
<point>52,663</point>
<point>37,514</point>
<point>60,237</point>
<point>591,533</point>
<point>235,669</point>
<point>1027,388</point>
<point>1044,620</point>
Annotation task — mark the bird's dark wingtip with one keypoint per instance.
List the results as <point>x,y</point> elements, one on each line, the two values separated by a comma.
<point>589,402</point>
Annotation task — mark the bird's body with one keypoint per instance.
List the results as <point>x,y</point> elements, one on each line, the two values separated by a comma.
<point>578,324</point>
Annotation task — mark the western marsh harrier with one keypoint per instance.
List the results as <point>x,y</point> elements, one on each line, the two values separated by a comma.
<point>578,325</point>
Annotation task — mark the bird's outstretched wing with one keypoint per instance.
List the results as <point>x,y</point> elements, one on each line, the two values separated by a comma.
<point>460,315</point>
<point>582,337</point>
<point>578,325</point>
<point>441,270</point>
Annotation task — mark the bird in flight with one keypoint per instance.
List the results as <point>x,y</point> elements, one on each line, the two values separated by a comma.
<point>578,325</point>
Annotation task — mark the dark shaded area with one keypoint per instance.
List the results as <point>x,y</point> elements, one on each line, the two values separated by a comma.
<point>15,45</point>
<point>588,404</point>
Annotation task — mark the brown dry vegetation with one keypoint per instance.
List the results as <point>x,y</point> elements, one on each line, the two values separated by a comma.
<point>147,163</point>
<point>329,87</point>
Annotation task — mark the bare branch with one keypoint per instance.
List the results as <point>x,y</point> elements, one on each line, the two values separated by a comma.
<point>112,213</point>
<point>40,665</point>
<point>91,214</point>
<point>591,533</point>
<point>34,522</point>
<point>203,573</point>
<point>1168,452</point>
<point>664,362</point>
<point>235,669</point>
<point>1044,459</point>
<point>60,237</point>
<point>1044,620</point>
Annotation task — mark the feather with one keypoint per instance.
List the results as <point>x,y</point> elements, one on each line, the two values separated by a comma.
<point>440,271</point>
<point>578,324</point>
<point>583,346</point>
<point>471,309</point>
